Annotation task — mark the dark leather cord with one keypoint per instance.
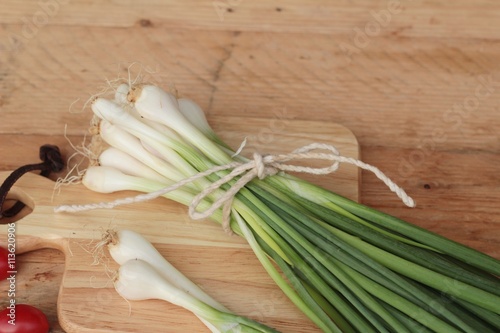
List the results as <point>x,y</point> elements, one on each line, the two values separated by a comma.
<point>52,161</point>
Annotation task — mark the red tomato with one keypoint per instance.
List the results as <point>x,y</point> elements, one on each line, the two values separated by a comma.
<point>28,319</point>
<point>4,264</point>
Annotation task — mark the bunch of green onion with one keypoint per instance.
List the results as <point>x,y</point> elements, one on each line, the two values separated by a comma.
<point>347,267</point>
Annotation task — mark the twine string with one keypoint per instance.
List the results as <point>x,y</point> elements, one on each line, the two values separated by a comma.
<point>260,166</point>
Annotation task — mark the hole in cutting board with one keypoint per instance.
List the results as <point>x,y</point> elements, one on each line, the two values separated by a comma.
<point>16,194</point>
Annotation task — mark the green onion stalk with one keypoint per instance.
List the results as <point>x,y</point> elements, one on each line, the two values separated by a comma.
<point>347,267</point>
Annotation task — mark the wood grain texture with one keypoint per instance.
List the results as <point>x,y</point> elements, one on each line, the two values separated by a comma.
<point>401,92</point>
<point>223,265</point>
<point>414,18</point>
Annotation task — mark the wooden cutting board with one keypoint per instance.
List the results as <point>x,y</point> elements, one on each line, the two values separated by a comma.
<point>223,265</point>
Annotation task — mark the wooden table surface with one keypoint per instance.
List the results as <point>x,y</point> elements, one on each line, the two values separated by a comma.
<point>418,82</point>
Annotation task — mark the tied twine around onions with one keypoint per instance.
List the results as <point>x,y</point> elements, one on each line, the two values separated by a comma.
<point>261,166</point>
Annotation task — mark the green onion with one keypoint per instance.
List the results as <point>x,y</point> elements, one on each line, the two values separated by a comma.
<point>137,280</point>
<point>347,267</point>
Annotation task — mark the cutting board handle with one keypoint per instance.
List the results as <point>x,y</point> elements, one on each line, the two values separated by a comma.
<point>17,194</point>
<point>25,243</point>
